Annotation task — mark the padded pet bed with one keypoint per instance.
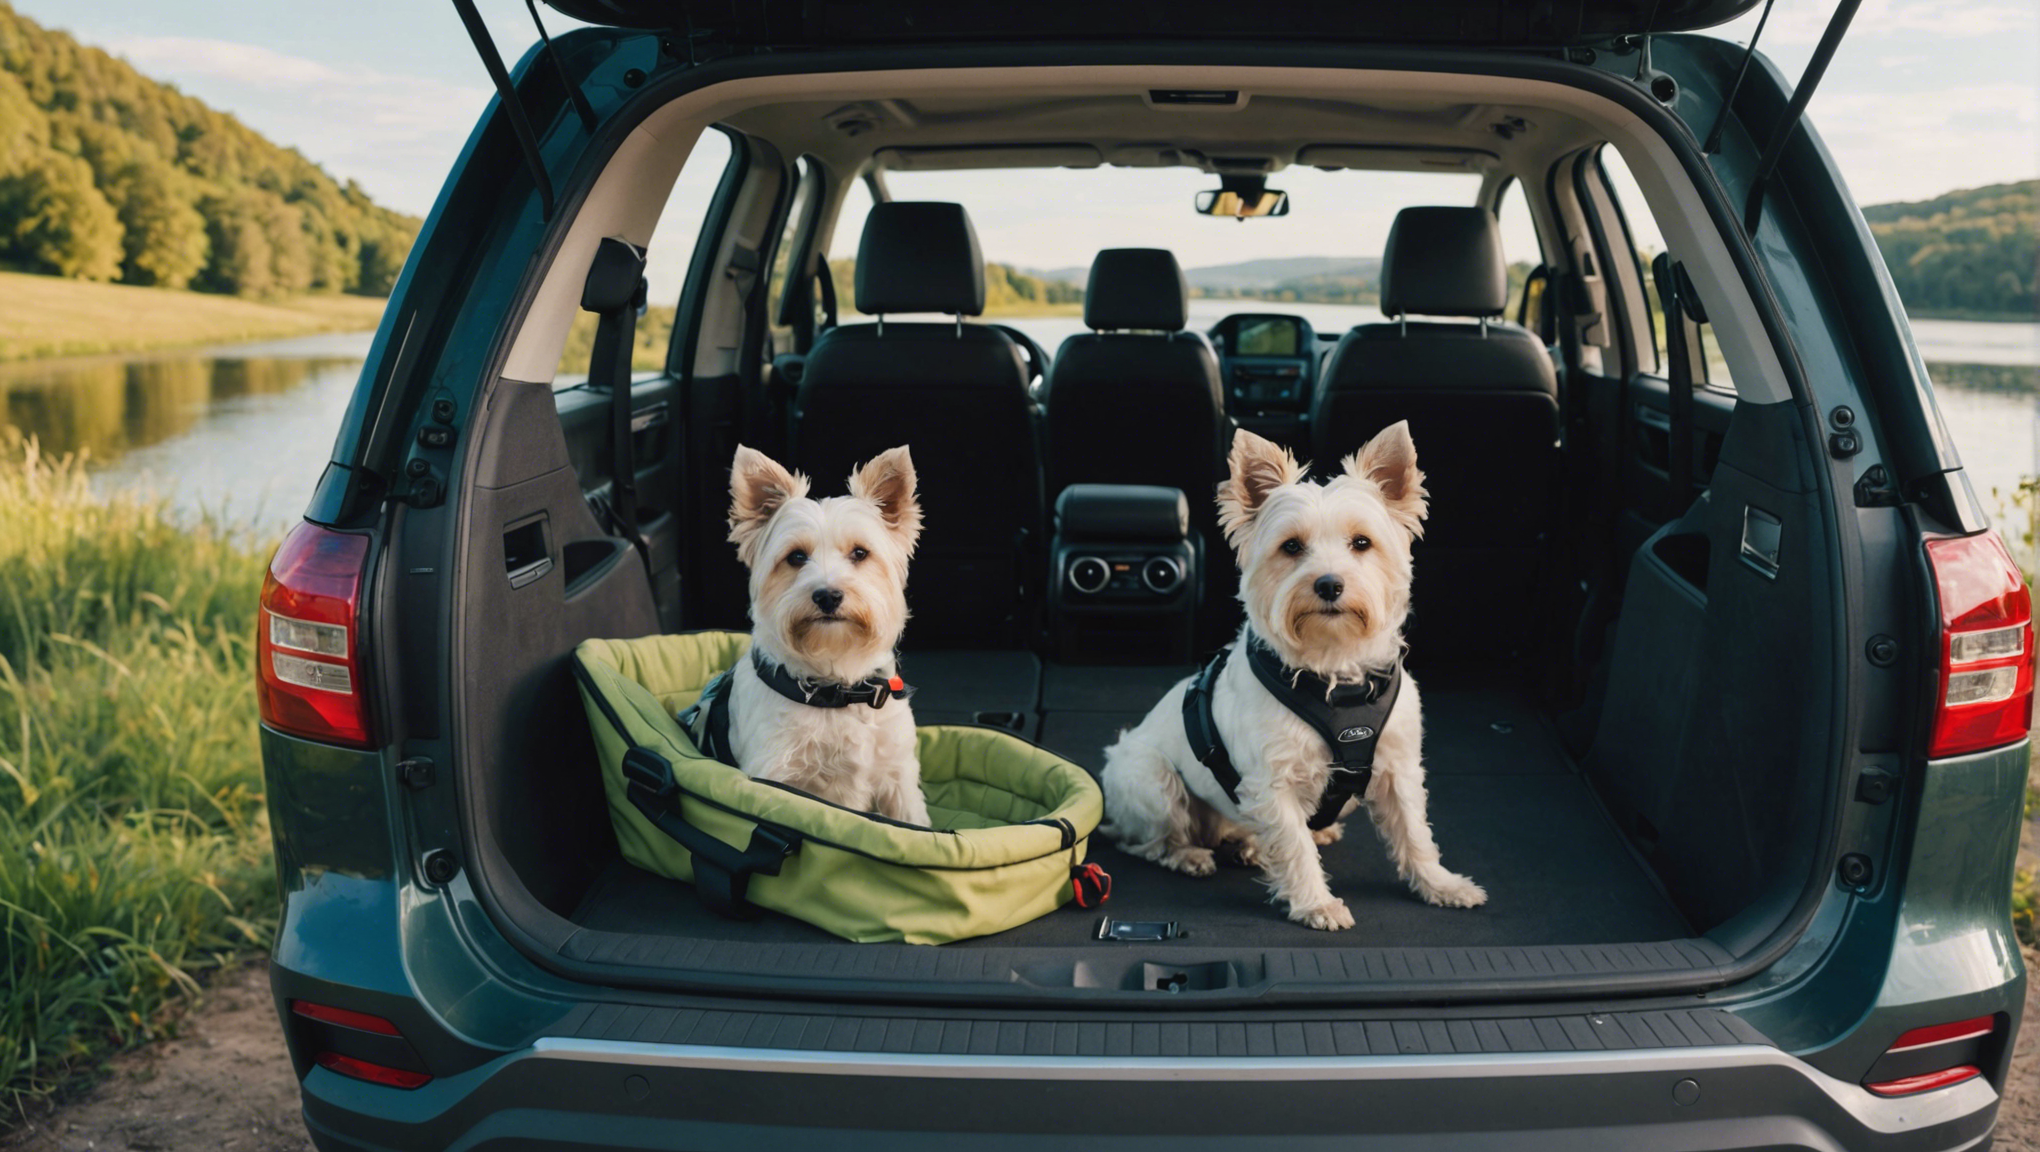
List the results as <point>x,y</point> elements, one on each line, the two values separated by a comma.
<point>1011,821</point>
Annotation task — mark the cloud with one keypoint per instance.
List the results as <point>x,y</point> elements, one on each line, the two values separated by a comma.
<point>396,134</point>
<point>1917,144</point>
<point>1798,23</point>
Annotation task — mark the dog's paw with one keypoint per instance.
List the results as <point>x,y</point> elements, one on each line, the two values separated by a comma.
<point>1331,916</point>
<point>1239,854</point>
<point>1451,890</point>
<point>1330,834</point>
<point>1191,861</point>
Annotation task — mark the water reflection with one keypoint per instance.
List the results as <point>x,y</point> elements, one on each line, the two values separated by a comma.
<point>241,431</point>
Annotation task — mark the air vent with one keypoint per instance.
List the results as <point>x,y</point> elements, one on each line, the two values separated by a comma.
<point>1204,97</point>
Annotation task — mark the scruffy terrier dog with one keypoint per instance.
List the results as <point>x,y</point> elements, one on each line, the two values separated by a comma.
<point>1313,690</point>
<point>818,704</point>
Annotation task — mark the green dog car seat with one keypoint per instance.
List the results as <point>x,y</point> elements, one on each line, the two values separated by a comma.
<point>1011,821</point>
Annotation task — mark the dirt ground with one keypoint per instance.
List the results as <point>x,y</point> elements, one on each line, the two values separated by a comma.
<point>225,1085</point>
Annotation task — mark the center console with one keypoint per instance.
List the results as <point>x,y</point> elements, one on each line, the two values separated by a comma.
<point>1269,365</point>
<point>1124,573</point>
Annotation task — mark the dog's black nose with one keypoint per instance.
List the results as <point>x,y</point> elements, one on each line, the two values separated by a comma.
<point>828,599</point>
<point>1329,588</point>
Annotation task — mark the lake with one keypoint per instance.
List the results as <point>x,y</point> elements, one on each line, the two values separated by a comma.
<point>245,431</point>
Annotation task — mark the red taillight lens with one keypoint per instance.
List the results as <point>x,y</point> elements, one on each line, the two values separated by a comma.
<point>1936,1056</point>
<point>345,1017</point>
<point>372,1072</point>
<point>1986,680</point>
<point>307,652</point>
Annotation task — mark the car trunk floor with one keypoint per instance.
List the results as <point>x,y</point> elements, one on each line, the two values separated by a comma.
<point>1506,805</point>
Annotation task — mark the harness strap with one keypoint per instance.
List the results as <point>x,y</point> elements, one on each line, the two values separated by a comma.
<point>1202,728</point>
<point>872,690</point>
<point>713,706</point>
<point>722,874</point>
<point>1348,717</point>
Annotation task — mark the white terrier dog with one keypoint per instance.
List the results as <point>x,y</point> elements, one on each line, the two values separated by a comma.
<point>1312,686</point>
<point>819,705</point>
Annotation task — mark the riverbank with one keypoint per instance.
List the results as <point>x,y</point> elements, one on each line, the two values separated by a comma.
<point>46,316</point>
<point>134,842</point>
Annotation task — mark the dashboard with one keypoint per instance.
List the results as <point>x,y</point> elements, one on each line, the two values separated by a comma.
<point>1268,363</point>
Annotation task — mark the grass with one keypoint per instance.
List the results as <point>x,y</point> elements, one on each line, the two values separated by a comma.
<point>52,316</point>
<point>134,843</point>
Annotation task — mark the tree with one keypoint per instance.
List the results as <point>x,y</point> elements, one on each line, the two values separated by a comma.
<point>241,258</point>
<point>165,242</point>
<point>53,220</point>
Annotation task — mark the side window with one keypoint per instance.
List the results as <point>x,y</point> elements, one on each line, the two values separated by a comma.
<point>1520,247</point>
<point>843,245</point>
<point>1649,240</point>
<point>667,258</point>
<point>789,237</point>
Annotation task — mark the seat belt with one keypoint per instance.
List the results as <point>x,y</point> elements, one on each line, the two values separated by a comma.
<point>1675,292</point>
<point>615,291</point>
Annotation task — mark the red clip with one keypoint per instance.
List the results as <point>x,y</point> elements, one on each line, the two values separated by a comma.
<point>896,684</point>
<point>1091,885</point>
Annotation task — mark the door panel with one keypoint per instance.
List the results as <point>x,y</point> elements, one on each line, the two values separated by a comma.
<point>584,420</point>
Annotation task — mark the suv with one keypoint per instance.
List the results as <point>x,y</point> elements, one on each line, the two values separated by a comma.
<point>1729,687</point>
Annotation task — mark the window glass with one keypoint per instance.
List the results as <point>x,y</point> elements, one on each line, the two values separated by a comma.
<point>782,334</point>
<point>1040,228</point>
<point>1649,241</point>
<point>1520,246</point>
<point>666,260</point>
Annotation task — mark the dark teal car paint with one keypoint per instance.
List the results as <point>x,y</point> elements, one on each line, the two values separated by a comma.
<point>1927,940</point>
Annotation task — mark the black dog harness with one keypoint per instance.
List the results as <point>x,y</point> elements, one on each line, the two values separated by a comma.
<point>713,737</point>
<point>1349,717</point>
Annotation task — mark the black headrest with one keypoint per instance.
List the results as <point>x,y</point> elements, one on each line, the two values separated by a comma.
<point>1444,262</point>
<point>1136,288</point>
<point>919,257</point>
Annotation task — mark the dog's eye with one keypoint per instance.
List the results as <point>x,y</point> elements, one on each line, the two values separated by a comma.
<point>1292,547</point>
<point>1362,543</point>
<point>858,554</point>
<point>796,558</point>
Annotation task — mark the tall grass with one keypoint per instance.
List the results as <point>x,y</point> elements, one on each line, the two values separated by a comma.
<point>134,844</point>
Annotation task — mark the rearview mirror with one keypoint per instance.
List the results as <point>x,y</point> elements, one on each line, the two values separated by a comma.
<point>1222,202</point>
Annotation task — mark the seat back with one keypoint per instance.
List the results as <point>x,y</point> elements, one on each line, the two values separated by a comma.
<point>1136,400</point>
<point>1482,402</point>
<point>956,394</point>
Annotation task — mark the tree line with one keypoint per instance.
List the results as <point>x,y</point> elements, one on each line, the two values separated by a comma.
<point>108,175</point>
<point>1971,252</point>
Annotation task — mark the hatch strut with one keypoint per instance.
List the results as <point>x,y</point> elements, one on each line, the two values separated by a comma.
<point>520,122</point>
<point>1713,144</point>
<point>580,98</point>
<point>1838,25</point>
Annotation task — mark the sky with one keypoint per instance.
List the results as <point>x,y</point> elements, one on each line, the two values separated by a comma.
<point>1925,96</point>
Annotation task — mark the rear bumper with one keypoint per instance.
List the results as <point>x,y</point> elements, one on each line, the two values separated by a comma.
<point>596,1095</point>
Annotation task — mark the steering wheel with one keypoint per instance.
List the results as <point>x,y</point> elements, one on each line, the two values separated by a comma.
<point>1037,359</point>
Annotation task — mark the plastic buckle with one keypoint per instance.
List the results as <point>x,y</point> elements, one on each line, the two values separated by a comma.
<point>649,771</point>
<point>1090,885</point>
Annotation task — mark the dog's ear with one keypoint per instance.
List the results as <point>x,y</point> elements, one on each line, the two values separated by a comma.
<point>888,481</point>
<point>1257,467</point>
<point>1390,460</point>
<point>759,488</point>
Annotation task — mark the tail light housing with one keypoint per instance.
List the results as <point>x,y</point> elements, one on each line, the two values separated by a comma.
<point>1985,695</point>
<point>1937,1056</point>
<point>307,643</point>
<point>357,1044</point>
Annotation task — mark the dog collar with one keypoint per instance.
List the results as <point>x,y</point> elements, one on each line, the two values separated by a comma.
<point>872,690</point>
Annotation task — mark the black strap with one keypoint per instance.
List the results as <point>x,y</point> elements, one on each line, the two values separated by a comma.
<point>615,291</point>
<point>873,690</point>
<point>722,874</point>
<point>1675,294</point>
<point>1202,729</point>
<point>1349,717</point>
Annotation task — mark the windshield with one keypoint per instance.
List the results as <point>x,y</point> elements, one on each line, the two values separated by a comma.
<point>1041,227</point>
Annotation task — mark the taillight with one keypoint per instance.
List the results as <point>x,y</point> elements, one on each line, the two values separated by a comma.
<point>359,1045</point>
<point>1933,1057</point>
<point>1986,680</point>
<point>307,651</point>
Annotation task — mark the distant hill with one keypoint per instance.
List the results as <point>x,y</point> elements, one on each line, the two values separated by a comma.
<point>1967,253</point>
<point>1224,279</point>
<point>106,174</point>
